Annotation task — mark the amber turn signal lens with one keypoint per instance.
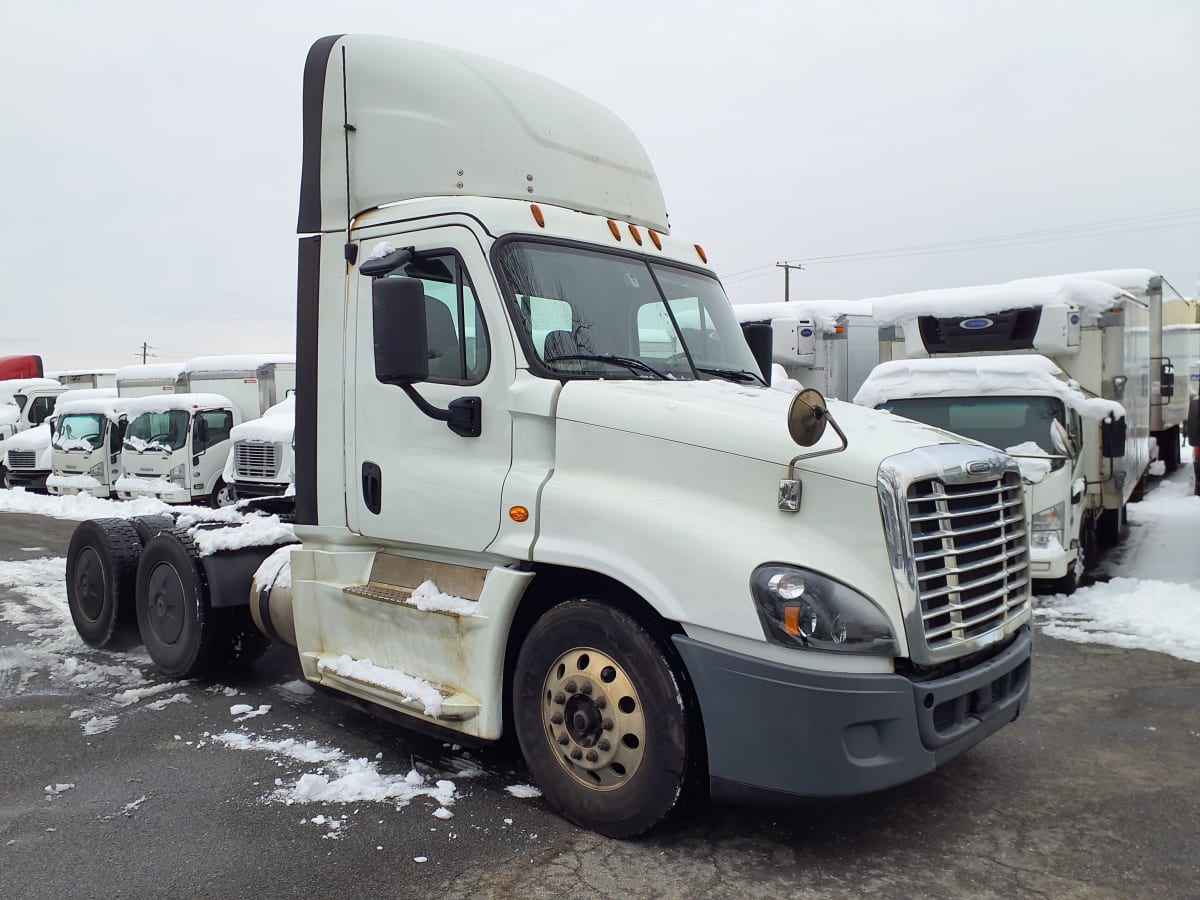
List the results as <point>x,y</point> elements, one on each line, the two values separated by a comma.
<point>637,235</point>
<point>615,229</point>
<point>791,620</point>
<point>654,237</point>
<point>537,215</point>
<point>700,252</point>
<point>518,513</point>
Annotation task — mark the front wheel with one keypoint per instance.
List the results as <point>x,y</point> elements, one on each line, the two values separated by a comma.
<point>601,719</point>
<point>222,495</point>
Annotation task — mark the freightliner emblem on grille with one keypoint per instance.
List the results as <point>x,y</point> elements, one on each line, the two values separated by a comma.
<point>978,467</point>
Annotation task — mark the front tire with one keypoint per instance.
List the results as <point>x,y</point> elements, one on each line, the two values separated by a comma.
<point>222,495</point>
<point>601,719</point>
<point>102,563</point>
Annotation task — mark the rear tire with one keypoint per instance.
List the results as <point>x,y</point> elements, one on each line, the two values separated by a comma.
<point>102,564</point>
<point>601,720</point>
<point>149,527</point>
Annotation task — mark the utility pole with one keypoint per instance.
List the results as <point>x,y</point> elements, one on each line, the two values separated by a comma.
<point>787,271</point>
<point>145,351</point>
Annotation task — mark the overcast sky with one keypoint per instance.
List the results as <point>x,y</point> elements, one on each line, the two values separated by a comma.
<point>151,150</point>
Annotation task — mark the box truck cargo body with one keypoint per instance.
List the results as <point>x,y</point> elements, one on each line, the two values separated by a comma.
<point>150,380</point>
<point>651,568</point>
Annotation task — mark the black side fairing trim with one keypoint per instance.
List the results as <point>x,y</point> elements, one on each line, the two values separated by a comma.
<point>308,280</point>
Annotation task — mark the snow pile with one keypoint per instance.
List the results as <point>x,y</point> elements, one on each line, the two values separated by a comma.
<point>1130,613</point>
<point>824,314</point>
<point>78,507</point>
<point>252,531</point>
<point>1132,281</point>
<point>782,382</point>
<point>1032,460</point>
<point>523,791</point>
<point>407,686</point>
<point>79,482</point>
<point>427,597</point>
<point>159,404</point>
<point>970,376</point>
<point>167,372</point>
<point>133,484</point>
<point>1158,468</point>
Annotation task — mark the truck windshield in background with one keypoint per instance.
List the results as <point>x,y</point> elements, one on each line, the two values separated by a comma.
<point>1002,422</point>
<point>79,431</point>
<point>589,314</point>
<point>158,431</point>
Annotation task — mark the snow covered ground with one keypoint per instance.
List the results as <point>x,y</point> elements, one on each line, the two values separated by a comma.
<point>1151,600</point>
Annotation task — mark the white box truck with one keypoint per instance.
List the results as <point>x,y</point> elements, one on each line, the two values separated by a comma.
<point>28,458</point>
<point>148,380</point>
<point>830,345</point>
<point>963,359</point>
<point>261,461</point>
<point>651,568</point>
<point>86,438</point>
<point>176,445</point>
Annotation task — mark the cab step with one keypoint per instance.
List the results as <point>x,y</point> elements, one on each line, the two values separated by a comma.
<point>396,689</point>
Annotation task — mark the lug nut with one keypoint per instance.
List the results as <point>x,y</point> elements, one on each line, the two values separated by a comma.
<point>556,719</point>
<point>587,689</point>
<point>592,756</point>
<point>601,703</point>
<point>560,698</point>
<point>603,744</point>
<point>564,740</point>
<point>570,687</point>
<point>606,724</point>
<point>576,753</point>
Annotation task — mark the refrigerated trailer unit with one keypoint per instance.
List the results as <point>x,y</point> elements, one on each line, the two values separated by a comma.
<point>651,568</point>
<point>85,379</point>
<point>830,345</point>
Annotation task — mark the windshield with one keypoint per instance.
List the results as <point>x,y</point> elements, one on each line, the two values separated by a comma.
<point>1003,422</point>
<point>591,314</point>
<point>163,431</point>
<point>79,432</point>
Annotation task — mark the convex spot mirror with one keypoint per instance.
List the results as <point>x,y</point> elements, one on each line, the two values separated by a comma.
<point>398,330</point>
<point>807,417</point>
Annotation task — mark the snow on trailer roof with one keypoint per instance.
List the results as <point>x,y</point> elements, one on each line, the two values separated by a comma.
<point>141,405</point>
<point>207,365</point>
<point>969,376</point>
<point>1090,296</point>
<point>68,373</point>
<point>150,372</point>
<point>1133,281</point>
<point>822,313</point>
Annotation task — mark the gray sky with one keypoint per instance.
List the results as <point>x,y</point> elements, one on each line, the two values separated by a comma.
<point>151,150</point>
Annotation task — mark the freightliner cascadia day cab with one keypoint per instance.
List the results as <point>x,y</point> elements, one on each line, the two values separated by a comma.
<point>25,404</point>
<point>1049,370</point>
<point>662,573</point>
<point>830,345</point>
<point>261,461</point>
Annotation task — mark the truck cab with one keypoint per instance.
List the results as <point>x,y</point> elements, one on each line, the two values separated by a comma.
<point>174,448</point>
<point>261,461</point>
<point>86,446</point>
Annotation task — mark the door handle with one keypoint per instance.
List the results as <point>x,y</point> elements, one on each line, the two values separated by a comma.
<point>372,487</point>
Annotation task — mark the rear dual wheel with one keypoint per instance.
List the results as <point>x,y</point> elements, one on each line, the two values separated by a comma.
<point>601,719</point>
<point>102,562</point>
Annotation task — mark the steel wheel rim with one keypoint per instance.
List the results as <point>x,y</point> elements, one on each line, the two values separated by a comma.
<point>165,602</point>
<point>593,720</point>
<point>89,584</point>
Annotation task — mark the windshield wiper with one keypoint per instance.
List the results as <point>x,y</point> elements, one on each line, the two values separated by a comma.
<point>628,362</point>
<point>741,376</point>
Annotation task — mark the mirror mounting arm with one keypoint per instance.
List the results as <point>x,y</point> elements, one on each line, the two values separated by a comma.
<point>464,417</point>
<point>841,434</point>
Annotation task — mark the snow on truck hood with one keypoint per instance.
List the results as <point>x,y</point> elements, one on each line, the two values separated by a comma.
<point>743,420</point>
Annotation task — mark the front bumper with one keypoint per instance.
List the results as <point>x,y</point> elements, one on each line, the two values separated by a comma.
<point>1052,562</point>
<point>246,490</point>
<point>773,729</point>
<point>183,495</point>
<point>30,479</point>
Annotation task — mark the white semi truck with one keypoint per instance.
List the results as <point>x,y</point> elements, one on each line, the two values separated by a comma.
<point>25,403</point>
<point>176,445</point>
<point>964,359</point>
<point>652,569</point>
<point>830,345</point>
<point>261,462</point>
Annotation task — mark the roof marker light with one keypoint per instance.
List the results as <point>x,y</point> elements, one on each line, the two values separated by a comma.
<point>700,252</point>
<point>537,215</point>
<point>637,235</point>
<point>615,229</point>
<point>654,237</point>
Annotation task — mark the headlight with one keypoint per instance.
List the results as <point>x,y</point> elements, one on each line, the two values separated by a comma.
<point>799,608</point>
<point>97,471</point>
<point>176,475</point>
<point>1049,519</point>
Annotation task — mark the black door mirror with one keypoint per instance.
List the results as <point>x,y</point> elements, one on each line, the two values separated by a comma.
<point>1166,381</point>
<point>761,340</point>
<point>1112,437</point>
<point>398,330</point>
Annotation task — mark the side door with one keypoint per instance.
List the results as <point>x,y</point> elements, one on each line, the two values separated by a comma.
<point>410,478</point>
<point>210,446</point>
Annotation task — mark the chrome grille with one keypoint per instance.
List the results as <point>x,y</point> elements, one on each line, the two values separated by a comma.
<point>256,460</point>
<point>22,459</point>
<point>971,554</point>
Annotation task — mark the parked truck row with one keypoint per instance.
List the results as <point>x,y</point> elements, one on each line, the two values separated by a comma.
<point>520,393</point>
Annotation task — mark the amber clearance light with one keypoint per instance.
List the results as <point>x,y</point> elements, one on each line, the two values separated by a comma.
<point>518,513</point>
<point>537,215</point>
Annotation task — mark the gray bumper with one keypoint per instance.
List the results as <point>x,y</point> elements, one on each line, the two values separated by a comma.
<point>775,729</point>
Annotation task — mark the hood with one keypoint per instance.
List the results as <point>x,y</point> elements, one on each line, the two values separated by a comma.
<point>743,420</point>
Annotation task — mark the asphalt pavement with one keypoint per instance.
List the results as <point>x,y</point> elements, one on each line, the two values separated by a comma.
<point>1092,793</point>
